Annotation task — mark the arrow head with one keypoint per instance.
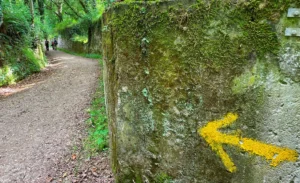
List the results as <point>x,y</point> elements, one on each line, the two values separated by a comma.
<point>215,139</point>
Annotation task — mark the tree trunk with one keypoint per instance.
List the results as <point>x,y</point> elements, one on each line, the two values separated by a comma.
<point>41,9</point>
<point>60,9</point>
<point>1,14</point>
<point>90,35</point>
<point>31,6</point>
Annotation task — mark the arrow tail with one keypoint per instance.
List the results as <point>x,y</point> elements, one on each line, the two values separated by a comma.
<point>271,152</point>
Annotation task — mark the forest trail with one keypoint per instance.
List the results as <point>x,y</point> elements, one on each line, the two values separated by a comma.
<point>39,124</point>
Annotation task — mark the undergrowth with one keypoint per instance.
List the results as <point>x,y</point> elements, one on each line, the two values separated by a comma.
<point>20,50</point>
<point>16,67</point>
<point>97,139</point>
<point>86,55</point>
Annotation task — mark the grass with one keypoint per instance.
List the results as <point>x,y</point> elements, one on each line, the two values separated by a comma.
<point>86,55</point>
<point>97,139</point>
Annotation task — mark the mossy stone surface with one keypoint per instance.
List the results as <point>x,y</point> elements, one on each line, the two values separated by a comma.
<point>173,66</point>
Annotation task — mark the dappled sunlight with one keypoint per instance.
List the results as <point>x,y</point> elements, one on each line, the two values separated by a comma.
<point>55,64</point>
<point>14,88</point>
<point>67,58</point>
<point>7,91</point>
<point>7,76</point>
<point>62,58</point>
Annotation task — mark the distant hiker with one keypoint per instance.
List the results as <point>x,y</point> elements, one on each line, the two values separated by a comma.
<point>47,45</point>
<point>55,44</point>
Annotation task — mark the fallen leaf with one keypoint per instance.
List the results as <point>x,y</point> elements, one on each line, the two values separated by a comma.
<point>49,179</point>
<point>74,156</point>
<point>65,174</point>
<point>94,169</point>
<point>95,174</point>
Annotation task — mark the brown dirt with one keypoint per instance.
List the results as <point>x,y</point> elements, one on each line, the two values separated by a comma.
<point>77,169</point>
<point>43,117</point>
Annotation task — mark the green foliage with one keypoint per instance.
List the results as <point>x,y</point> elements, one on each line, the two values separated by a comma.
<point>92,55</point>
<point>16,21</point>
<point>78,38</point>
<point>17,37</point>
<point>67,23</point>
<point>79,19</point>
<point>98,127</point>
<point>48,26</point>
<point>17,67</point>
<point>34,64</point>
<point>6,76</point>
<point>163,178</point>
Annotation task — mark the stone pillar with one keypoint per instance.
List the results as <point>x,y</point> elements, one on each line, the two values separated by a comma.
<point>202,91</point>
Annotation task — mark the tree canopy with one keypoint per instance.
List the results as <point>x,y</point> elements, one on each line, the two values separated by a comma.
<point>47,18</point>
<point>24,24</point>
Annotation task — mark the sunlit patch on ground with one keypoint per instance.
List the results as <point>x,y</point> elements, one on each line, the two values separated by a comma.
<point>61,58</point>
<point>34,79</point>
<point>11,90</point>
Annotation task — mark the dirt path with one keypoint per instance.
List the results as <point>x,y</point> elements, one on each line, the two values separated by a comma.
<point>38,125</point>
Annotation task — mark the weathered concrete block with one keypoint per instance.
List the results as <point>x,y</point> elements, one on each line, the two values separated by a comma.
<point>202,91</point>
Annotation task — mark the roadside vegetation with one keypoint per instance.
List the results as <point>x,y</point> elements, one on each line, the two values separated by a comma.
<point>26,24</point>
<point>20,50</point>
<point>86,55</point>
<point>97,139</point>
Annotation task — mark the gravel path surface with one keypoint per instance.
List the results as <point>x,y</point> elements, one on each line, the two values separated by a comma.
<point>39,123</point>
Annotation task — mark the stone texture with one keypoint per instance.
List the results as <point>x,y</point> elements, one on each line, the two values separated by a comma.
<point>171,67</point>
<point>68,44</point>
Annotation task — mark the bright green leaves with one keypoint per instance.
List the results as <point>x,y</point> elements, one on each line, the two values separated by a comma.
<point>98,130</point>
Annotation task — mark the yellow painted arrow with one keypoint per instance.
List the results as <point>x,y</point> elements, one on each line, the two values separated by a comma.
<point>216,139</point>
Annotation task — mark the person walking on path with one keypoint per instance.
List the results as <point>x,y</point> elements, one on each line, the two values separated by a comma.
<point>55,44</point>
<point>47,45</point>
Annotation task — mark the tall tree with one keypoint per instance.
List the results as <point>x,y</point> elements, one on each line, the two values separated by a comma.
<point>85,7</point>
<point>74,11</point>
<point>1,14</point>
<point>41,9</point>
<point>56,7</point>
<point>59,5</point>
<point>31,6</point>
